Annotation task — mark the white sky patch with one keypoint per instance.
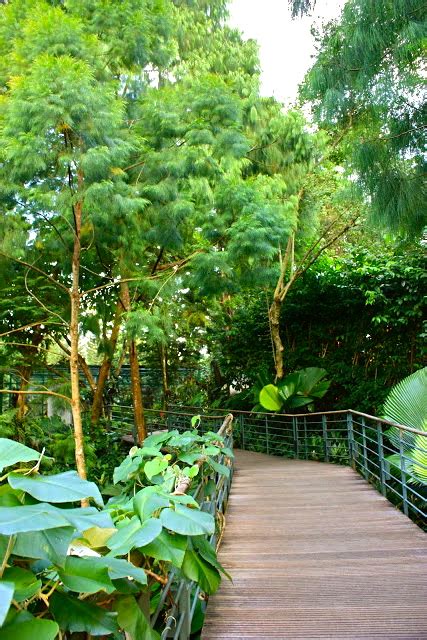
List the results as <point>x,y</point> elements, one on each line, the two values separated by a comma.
<point>286,45</point>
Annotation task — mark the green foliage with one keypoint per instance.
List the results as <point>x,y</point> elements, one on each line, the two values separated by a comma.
<point>366,87</point>
<point>407,404</point>
<point>359,315</point>
<point>297,390</point>
<point>407,401</point>
<point>54,553</point>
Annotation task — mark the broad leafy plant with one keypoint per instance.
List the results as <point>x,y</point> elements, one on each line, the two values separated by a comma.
<point>297,390</point>
<point>407,405</point>
<point>99,569</point>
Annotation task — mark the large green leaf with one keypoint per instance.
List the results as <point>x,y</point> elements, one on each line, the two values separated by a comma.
<point>187,521</point>
<point>133,621</point>
<point>85,518</point>
<point>12,452</point>
<point>148,532</point>
<point>320,389</point>
<point>157,439</point>
<point>25,582</point>
<point>51,544</point>
<point>6,595</point>
<point>407,402</point>
<point>134,534</point>
<point>219,468</point>
<point>154,467</point>
<point>118,568</point>
<point>149,500</point>
<point>206,550</point>
<point>76,615</point>
<point>127,467</point>
<point>29,629</point>
<point>419,460</point>
<point>270,399</point>
<point>309,378</point>
<point>84,575</point>
<point>35,517</point>
<point>167,547</point>
<point>295,402</point>
<point>196,568</point>
<point>61,487</point>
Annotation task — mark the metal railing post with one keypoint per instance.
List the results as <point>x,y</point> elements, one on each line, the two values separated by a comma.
<point>266,434</point>
<point>365,454</point>
<point>325,437</point>
<point>184,607</point>
<point>381,459</point>
<point>350,435</point>
<point>242,430</point>
<point>305,438</point>
<point>295,430</point>
<point>403,475</point>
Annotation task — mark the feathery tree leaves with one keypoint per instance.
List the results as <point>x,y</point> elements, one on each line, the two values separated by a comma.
<point>367,83</point>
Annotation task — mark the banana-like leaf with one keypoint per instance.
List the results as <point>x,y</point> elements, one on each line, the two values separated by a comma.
<point>407,402</point>
<point>270,399</point>
<point>419,457</point>
<point>407,405</point>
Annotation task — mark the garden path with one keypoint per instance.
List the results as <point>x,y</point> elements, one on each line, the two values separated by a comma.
<point>316,552</point>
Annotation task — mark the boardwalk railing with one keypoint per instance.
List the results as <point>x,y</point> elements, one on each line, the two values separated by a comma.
<point>182,594</point>
<point>390,456</point>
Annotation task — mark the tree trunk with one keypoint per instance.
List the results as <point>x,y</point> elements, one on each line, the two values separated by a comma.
<point>74,345</point>
<point>84,367</point>
<point>135,378</point>
<point>21,404</point>
<point>137,401</point>
<point>165,381</point>
<point>105,368</point>
<point>274,313</point>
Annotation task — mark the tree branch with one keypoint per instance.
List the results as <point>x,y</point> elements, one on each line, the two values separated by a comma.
<point>40,271</point>
<point>37,393</point>
<point>28,326</point>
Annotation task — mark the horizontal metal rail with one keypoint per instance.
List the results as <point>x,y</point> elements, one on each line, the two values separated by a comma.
<point>389,455</point>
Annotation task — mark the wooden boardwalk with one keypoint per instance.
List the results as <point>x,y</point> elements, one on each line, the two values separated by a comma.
<point>315,552</point>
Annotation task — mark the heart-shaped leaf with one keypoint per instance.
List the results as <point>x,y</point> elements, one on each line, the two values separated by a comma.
<point>167,547</point>
<point>25,582</point>
<point>24,628</point>
<point>202,572</point>
<point>76,616</point>
<point>187,521</point>
<point>149,500</point>
<point>85,575</point>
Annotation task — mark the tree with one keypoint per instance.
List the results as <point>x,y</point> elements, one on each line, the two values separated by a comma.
<point>63,138</point>
<point>366,89</point>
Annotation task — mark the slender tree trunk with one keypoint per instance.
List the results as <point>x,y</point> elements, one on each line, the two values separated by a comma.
<point>21,400</point>
<point>137,400</point>
<point>165,380</point>
<point>84,367</point>
<point>274,313</point>
<point>105,368</point>
<point>74,345</point>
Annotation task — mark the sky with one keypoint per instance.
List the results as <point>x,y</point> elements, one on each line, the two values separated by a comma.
<point>286,45</point>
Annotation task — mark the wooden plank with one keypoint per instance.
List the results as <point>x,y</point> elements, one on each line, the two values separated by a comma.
<point>316,552</point>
